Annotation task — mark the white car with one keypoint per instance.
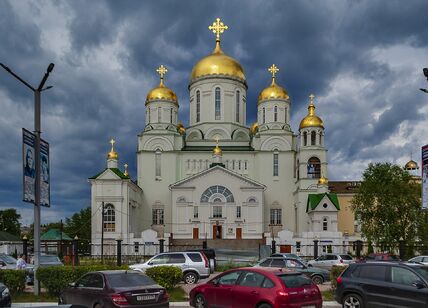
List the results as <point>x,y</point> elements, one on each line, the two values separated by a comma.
<point>420,259</point>
<point>328,260</point>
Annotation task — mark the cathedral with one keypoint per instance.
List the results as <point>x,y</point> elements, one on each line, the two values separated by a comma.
<point>218,179</point>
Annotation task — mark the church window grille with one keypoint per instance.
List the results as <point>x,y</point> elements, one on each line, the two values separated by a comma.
<point>171,115</point>
<point>217,211</point>
<point>159,114</point>
<point>313,138</point>
<point>109,218</point>
<point>275,114</point>
<point>198,106</point>
<point>305,138</point>
<point>158,216</point>
<point>314,168</point>
<point>158,160</point>
<point>325,224</point>
<point>275,164</point>
<point>217,104</point>
<point>207,194</point>
<point>275,216</point>
<point>238,212</point>
<point>195,212</point>
<point>298,246</point>
<point>136,247</point>
<point>237,106</point>
<point>264,115</point>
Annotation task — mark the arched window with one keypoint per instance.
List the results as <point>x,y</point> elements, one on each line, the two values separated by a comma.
<point>198,106</point>
<point>158,160</point>
<point>159,114</point>
<point>313,138</point>
<point>305,138</point>
<point>325,224</point>
<point>215,194</point>
<point>285,115</point>
<point>171,115</point>
<point>149,115</point>
<point>275,164</point>
<point>320,139</point>
<point>217,104</point>
<point>314,168</point>
<point>264,115</point>
<point>109,218</point>
<point>298,170</point>
<point>237,106</point>
<point>275,114</point>
<point>252,200</point>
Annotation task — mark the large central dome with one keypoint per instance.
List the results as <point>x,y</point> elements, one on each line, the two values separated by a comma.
<point>218,63</point>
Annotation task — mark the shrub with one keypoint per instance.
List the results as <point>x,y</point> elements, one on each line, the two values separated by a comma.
<point>334,273</point>
<point>13,279</point>
<point>166,276</point>
<point>227,266</point>
<point>57,278</point>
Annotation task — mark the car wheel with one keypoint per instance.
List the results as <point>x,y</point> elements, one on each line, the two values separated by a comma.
<point>190,278</point>
<point>352,301</point>
<point>200,301</point>
<point>309,265</point>
<point>264,306</point>
<point>317,279</point>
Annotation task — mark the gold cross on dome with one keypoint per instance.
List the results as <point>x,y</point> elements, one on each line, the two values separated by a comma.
<point>311,98</point>
<point>273,69</point>
<point>218,28</point>
<point>112,142</point>
<point>216,140</point>
<point>162,70</point>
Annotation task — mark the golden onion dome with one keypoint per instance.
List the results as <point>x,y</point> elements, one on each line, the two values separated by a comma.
<point>273,91</point>
<point>311,120</point>
<point>161,92</point>
<point>218,63</point>
<point>323,181</point>
<point>411,165</point>
<point>112,154</point>
<point>254,128</point>
<point>181,129</point>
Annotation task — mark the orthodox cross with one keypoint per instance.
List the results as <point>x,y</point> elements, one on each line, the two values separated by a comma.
<point>273,69</point>
<point>311,99</point>
<point>112,142</point>
<point>218,28</point>
<point>126,170</point>
<point>162,70</point>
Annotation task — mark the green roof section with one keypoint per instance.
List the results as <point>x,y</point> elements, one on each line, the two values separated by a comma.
<point>7,237</point>
<point>115,170</point>
<point>55,235</point>
<point>315,199</point>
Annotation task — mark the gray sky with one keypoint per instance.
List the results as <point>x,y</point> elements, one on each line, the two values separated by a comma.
<point>362,59</point>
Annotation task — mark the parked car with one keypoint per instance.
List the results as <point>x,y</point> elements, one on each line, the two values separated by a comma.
<point>257,287</point>
<point>288,255</point>
<point>195,265</point>
<point>419,259</point>
<point>7,262</point>
<point>50,260</point>
<point>328,260</point>
<point>381,257</point>
<point>5,299</point>
<point>210,254</point>
<point>115,289</point>
<point>318,275</point>
<point>383,284</point>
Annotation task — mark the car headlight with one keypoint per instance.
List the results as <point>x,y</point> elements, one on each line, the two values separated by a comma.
<point>5,292</point>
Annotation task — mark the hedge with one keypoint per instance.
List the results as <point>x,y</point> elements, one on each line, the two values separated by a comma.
<point>57,278</point>
<point>334,273</point>
<point>166,276</point>
<point>13,279</point>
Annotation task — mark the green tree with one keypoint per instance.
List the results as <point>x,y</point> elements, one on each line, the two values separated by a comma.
<point>9,221</point>
<point>80,224</point>
<point>387,205</point>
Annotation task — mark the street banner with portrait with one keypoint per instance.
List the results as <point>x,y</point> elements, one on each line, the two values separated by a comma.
<point>425,177</point>
<point>29,167</point>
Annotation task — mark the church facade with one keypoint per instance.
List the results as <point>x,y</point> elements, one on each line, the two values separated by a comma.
<point>218,178</point>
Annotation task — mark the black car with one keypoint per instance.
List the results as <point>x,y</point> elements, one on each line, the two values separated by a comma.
<point>5,299</point>
<point>383,284</point>
<point>115,289</point>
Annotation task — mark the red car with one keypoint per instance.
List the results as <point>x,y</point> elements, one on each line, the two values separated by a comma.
<point>258,288</point>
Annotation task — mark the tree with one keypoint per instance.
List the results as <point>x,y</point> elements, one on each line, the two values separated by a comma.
<point>387,205</point>
<point>80,224</point>
<point>9,221</point>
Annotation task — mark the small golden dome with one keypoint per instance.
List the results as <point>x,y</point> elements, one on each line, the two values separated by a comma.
<point>411,165</point>
<point>217,150</point>
<point>161,92</point>
<point>112,154</point>
<point>323,181</point>
<point>311,120</point>
<point>181,129</point>
<point>273,91</point>
<point>218,63</point>
<point>254,128</point>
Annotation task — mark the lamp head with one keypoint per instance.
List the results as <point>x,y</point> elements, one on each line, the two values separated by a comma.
<point>425,72</point>
<point>50,67</point>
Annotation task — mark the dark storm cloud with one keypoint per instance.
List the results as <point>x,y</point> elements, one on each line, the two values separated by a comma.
<point>106,53</point>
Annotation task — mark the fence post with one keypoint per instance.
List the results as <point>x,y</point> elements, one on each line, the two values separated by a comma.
<point>161,244</point>
<point>315,248</point>
<point>119,252</point>
<point>359,248</point>
<point>25,246</point>
<point>76,251</point>
<point>273,246</point>
<point>402,248</point>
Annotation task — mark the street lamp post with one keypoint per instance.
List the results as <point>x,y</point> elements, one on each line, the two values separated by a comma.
<point>37,131</point>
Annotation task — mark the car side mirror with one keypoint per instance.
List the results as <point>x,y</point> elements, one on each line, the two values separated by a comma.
<point>418,284</point>
<point>72,284</point>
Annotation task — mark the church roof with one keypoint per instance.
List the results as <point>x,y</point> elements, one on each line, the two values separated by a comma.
<point>315,199</point>
<point>55,235</point>
<point>115,170</point>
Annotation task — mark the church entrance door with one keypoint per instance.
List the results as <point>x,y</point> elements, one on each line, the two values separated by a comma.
<point>238,233</point>
<point>217,232</point>
<point>195,233</point>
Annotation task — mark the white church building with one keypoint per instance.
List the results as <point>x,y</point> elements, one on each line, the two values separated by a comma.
<point>219,179</point>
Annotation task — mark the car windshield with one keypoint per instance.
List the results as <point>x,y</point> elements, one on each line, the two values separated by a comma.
<point>46,259</point>
<point>8,259</point>
<point>346,257</point>
<point>422,270</point>
<point>129,280</point>
<point>295,281</point>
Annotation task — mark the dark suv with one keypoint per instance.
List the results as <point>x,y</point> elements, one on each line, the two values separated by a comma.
<point>383,284</point>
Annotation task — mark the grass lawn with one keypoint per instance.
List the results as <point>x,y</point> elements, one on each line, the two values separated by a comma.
<point>31,298</point>
<point>177,295</point>
<point>327,295</point>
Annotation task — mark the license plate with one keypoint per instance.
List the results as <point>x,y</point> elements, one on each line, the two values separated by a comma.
<point>146,298</point>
